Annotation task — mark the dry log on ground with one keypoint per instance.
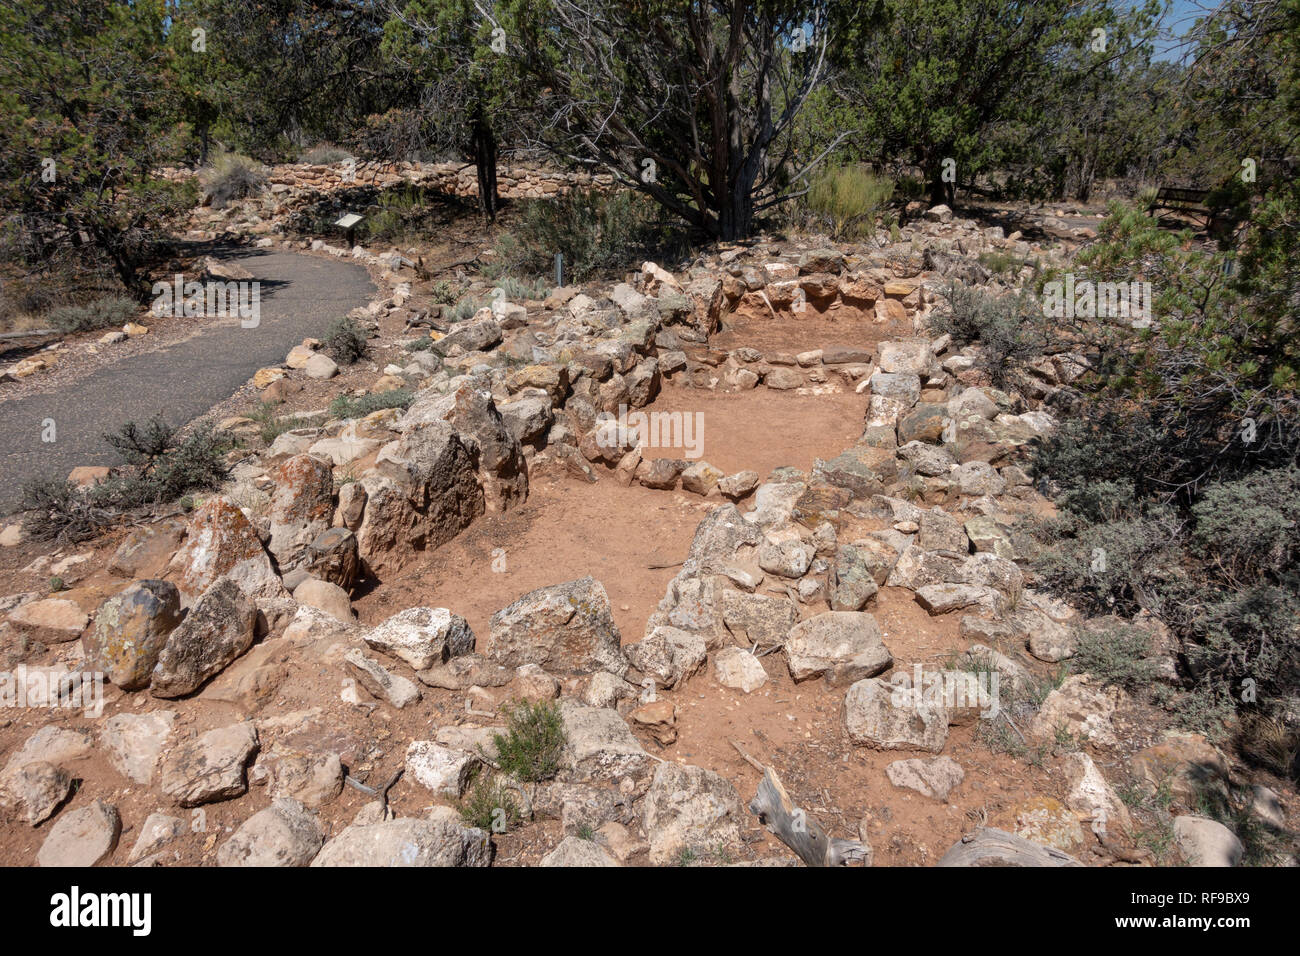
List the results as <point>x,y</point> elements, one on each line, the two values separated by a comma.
<point>988,846</point>
<point>800,832</point>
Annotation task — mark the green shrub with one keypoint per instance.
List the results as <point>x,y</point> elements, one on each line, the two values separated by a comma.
<point>534,739</point>
<point>847,200</point>
<point>345,406</point>
<point>597,233</point>
<point>1270,743</point>
<point>197,462</point>
<point>491,806</point>
<point>1009,329</point>
<point>465,308</point>
<point>523,290</point>
<point>1178,461</point>
<point>230,176</point>
<point>270,425</point>
<point>57,510</point>
<point>442,293</point>
<point>1253,524</point>
<point>345,341</point>
<point>1116,655</point>
<point>324,155</point>
<point>401,212</point>
<point>161,469</point>
<point>1003,262</point>
<point>108,312</point>
<point>1111,566</point>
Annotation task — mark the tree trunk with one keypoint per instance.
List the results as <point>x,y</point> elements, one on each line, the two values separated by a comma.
<point>485,165</point>
<point>736,217</point>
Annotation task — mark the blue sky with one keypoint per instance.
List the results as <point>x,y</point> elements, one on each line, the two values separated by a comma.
<point>1178,21</point>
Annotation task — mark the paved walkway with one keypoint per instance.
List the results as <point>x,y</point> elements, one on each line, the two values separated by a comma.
<point>300,297</point>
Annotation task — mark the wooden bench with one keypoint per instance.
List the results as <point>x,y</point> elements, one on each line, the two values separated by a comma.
<point>1180,199</point>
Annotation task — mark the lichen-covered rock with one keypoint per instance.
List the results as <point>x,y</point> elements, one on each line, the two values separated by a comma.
<point>302,507</point>
<point>852,579</point>
<point>880,715</point>
<point>843,646</point>
<point>690,809</point>
<point>219,628</point>
<point>221,542</point>
<point>422,636</point>
<point>130,631</point>
<point>566,628</point>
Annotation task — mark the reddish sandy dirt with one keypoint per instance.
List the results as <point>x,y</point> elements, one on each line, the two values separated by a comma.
<point>629,538</point>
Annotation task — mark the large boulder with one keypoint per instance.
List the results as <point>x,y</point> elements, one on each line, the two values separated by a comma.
<point>690,810</point>
<point>844,646</point>
<point>718,538</point>
<point>218,629</point>
<point>758,619</point>
<point>668,655</point>
<point>476,334</point>
<point>852,579</point>
<point>880,715</point>
<point>422,493</point>
<point>599,746</point>
<point>738,669</point>
<point>51,620</point>
<point>575,851</point>
<point>471,411</point>
<point>135,741</point>
<point>210,767</point>
<point>284,834</point>
<point>1080,709</point>
<point>407,842</point>
<point>130,631</point>
<point>302,507</point>
<point>1206,842</point>
<point>567,628</point>
<point>422,636</point>
<point>82,837</point>
<point>221,542</point>
<point>332,556</point>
